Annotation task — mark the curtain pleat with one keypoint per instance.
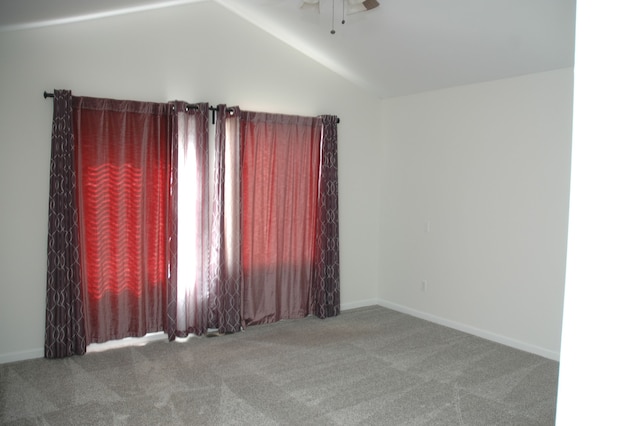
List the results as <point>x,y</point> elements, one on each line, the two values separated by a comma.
<point>326,282</point>
<point>65,322</point>
<point>225,301</point>
<point>171,223</point>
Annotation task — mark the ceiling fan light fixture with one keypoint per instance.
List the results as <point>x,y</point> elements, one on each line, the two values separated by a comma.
<point>310,4</point>
<point>356,6</point>
<point>348,7</point>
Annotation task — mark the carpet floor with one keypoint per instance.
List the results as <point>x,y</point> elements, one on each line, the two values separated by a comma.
<point>368,366</point>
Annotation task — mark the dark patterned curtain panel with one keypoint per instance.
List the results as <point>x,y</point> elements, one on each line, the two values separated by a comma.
<point>65,326</point>
<point>326,282</point>
<point>225,297</point>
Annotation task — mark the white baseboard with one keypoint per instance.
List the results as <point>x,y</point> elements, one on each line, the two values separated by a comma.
<point>359,304</point>
<point>21,356</point>
<point>546,353</point>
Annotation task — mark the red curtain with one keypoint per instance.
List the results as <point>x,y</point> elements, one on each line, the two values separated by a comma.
<point>280,168</point>
<point>123,181</point>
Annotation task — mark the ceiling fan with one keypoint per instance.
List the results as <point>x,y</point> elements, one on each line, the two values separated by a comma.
<point>348,7</point>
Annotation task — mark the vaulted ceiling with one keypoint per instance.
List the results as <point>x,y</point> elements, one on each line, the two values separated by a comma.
<point>399,48</point>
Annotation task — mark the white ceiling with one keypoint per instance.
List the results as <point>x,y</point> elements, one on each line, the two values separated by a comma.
<point>401,47</point>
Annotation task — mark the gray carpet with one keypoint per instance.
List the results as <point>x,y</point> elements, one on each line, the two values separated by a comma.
<point>368,366</point>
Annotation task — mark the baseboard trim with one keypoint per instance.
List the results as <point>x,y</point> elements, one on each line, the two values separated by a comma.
<point>21,356</point>
<point>359,304</point>
<point>546,353</point>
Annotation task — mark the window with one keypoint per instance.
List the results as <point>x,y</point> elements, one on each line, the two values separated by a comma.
<point>180,233</point>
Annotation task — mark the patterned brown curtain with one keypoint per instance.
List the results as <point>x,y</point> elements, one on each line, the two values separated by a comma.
<point>326,281</point>
<point>225,297</point>
<point>65,322</point>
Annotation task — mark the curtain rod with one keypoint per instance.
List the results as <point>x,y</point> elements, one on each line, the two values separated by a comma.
<point>189,106</point>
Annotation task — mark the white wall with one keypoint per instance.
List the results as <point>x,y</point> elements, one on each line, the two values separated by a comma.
<point>487,165</point>
<point>198,52</point>
<point>599,365</point>
<point>485,170</point>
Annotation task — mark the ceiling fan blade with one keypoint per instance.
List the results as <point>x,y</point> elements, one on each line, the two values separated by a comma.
<point>310,4</point>
<point>355,6</point>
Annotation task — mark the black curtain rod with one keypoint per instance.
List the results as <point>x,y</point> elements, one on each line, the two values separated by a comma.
<point>189,106</point>
<point>196,106</point>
